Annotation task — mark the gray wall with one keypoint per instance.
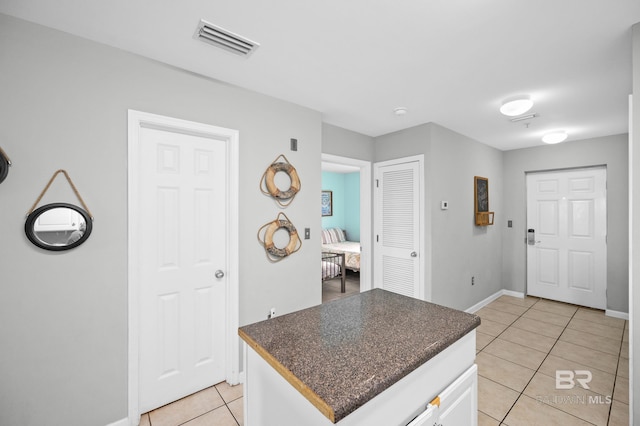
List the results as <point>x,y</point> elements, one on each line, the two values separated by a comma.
<point>460,248</point>
<point>610,151</point>
<point>634,165</point>
<point>63,316</point>
<point>455,248</point>
<point>346,143</point>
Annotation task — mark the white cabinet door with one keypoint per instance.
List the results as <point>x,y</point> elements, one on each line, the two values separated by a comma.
<point>459,401</point>
<point>455,406</point>
<point>428,418</point>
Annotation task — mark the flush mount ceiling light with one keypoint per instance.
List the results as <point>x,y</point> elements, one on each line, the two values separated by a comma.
<point>555,137</point>
<point>400,111</point>
<point>516,106</point>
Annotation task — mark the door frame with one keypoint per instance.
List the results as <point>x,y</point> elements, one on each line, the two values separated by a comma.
<point>366,283</point>
<point>136,120</point>
<point>526,218</point>
<point>424,253</point>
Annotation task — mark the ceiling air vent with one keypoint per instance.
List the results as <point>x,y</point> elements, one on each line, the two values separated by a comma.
<point>224,39</point>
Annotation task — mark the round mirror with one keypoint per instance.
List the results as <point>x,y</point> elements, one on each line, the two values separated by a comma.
<point>58,226</point>
<point>4,166</point>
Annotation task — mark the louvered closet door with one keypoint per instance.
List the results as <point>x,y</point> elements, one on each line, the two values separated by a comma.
<point>397,229</point>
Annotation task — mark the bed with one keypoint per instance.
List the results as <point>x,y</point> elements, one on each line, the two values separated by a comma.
<point>333,267</point>
<point>334,241</point>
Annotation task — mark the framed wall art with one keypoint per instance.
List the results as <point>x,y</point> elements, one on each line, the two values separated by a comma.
<point>327,203</point>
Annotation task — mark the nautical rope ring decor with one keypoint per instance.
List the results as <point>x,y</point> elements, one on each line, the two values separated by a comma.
<point>274,253</point>
<point>269,187</point>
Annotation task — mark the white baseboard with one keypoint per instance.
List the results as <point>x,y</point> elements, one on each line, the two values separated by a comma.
<point>518,294</point>
<point>122,422</point>
<point>617,314</point>
<point>485,302</point>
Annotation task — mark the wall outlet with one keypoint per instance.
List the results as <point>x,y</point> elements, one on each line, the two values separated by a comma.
<point>272,313</point>
<point>473,280</point>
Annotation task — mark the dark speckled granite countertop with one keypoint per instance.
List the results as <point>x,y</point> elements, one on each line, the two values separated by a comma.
<point>344,353</point>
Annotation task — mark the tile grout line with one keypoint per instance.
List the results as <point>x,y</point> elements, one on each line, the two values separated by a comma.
<point>533,375</point>
<point>226,405</point>
<point>536,371</point>
<point>500,334</point>
<point>591,348</point>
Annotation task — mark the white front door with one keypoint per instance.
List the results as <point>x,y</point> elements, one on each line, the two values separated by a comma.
<point>566,238</point>
<point>398,234</point>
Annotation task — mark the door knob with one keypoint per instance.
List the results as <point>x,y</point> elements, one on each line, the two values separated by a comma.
<point>414,254</point>
<point>219,274</point>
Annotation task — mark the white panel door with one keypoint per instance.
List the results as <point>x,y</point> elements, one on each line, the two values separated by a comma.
<point>397,227</point>
<point>567,231</point>
<point>182,246</point>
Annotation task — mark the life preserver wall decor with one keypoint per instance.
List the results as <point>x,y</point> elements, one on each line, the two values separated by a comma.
<point>268,186</point>
<point>274,253</point>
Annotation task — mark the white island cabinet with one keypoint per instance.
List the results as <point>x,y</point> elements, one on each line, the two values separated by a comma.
<point>376,358</point>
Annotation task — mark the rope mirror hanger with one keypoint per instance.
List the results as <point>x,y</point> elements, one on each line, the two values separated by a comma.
<point>58,226</point>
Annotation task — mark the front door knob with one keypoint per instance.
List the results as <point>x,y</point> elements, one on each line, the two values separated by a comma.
<point>219,274</point>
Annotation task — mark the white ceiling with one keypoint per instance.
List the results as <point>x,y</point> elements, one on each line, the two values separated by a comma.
<point>451,62</point>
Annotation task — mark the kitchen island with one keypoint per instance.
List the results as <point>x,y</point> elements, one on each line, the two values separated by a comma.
<point>373,358</point>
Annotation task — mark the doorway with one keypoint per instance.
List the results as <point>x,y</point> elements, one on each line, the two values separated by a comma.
<point>334,162</point>
<point>183,261</point>
<point>567,236</point>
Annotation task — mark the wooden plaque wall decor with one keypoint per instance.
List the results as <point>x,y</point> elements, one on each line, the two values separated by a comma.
<point>268,186</point>
<point>483,216</point>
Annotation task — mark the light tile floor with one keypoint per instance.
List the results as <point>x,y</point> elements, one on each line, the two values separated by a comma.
<point>521,343</point>
<point>219,405</point>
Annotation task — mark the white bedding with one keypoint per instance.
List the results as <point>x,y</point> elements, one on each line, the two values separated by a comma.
<point>351,249</point>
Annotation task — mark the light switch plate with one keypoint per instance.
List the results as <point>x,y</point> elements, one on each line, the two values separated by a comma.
<point>444,205</point>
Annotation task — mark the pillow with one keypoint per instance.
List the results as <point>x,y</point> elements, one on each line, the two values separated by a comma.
<point>332,236</point>
<point>338,235</point>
